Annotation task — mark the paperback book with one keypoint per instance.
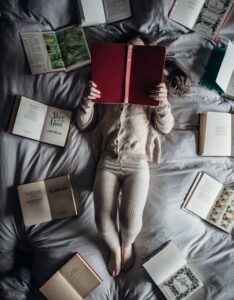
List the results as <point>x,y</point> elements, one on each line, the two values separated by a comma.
<point>40,122</point>
<point>203,16</point>
<point>61,50</point>
<point>47,200</point>
<point>219,74</point>
<point>126,73</point>
<point>74,281</point>
<point>172,274</point>
<point>212,201</point>
<point>94,12</point>
<point>216,134</point>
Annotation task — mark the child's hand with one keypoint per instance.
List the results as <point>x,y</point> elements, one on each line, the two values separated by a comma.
<point>159,93</point>
<point>92,92</point>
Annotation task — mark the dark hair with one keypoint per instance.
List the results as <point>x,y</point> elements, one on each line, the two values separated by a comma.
<point>177,79</point>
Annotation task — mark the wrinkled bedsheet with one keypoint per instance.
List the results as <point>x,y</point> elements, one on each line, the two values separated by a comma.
<point>208,250</point>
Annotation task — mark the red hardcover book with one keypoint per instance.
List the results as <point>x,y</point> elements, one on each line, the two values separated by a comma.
<point>127,73</point>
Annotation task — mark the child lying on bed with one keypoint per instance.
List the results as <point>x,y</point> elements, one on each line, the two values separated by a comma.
<point>126,136</point>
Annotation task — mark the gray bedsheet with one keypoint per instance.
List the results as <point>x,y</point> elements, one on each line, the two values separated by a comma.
<point>209,250</point>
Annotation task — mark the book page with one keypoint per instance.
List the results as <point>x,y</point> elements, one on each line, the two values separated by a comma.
<point>211,17</point>
<point>36,52</point>
<point>30,118</point>
<point>222,213</point>
<point>52,46</point>
<point>80,275</point>
<point>60,196</point>
<point>56,126</point>
<point>181,285</point>
<point>162,265</point>
<point>204,196</point>
<point>230,89</point>
<point>116,10</point>
<point>92,12</point>
<point>217,134</point>
<point>74,47</point>
<point>58,288</point>
<point>34,203</point>
<point>232,134</point>
<point>186,12</point>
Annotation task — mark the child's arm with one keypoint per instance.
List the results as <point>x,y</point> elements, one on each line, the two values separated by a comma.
<point>87,115</point>
<point>164,120</point>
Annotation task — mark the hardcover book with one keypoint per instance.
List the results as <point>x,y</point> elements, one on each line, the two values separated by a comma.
<point>203,16</point>
<point>61,50</point>
<point>172,274</point>
<point>219,73</point>
<point>216,134</point>
<point>74,281</point>
<point>47,200</point>
<point>37,121</point>
<point>94,12</point>
<point>212,201</point>
<point>126,73</point>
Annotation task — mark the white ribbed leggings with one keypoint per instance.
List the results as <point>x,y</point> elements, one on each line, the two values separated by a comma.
<point>132,178</point>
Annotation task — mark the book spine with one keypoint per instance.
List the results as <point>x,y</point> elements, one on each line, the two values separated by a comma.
<point>127,73</point>
<point>223,22</point>
<point>14,114</point>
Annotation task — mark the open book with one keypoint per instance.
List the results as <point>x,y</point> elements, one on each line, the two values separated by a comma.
<point>47,200</point>
<point>94,12</point>
<point>172,274</point>
<point>74,281</point>
<point>61,50</point>
<point>126,73</point>
<point>219,73</point>
<point>211,201</point>
<point>203,16</point>
<point>39,122</point>
<point>216,136</point>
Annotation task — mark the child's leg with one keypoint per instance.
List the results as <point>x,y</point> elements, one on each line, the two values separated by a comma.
<point>106,193</point>
<point>134,195</point>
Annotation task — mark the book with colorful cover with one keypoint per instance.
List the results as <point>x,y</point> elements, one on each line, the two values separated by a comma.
<point>127,73</point>
<point>62,50</point>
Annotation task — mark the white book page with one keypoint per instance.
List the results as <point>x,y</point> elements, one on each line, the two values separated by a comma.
<point>225,77</point>
<point>30,119</point>
<point>36,52</point>
<point>232,136</point>
<point>116,10</point>
<point>58,288</point>
<point>164,264</point>
<point>218,134</point>
<point>186,12</point>
<point>93,12</point>
<point>181,285</point>
<point>204,196</point>
<point>56,126</point>
<point>34,203</point>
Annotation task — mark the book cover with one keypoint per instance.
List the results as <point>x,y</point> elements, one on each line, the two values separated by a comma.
<point>126,73</point>
<point>74,281</point>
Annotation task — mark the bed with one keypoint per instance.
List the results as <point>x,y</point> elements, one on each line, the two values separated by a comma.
<point>30,255</point>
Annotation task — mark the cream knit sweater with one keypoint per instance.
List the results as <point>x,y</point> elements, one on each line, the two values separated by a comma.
<point>125,131</point>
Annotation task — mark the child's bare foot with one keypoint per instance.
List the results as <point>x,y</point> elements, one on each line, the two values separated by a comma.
<point>114,263</point>
<point>127,257</point>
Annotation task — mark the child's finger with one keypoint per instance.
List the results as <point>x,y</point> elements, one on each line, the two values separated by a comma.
<point>93,89</point>
<point>92,84</point>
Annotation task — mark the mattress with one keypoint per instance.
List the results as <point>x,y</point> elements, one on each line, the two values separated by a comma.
<point>51,244</point>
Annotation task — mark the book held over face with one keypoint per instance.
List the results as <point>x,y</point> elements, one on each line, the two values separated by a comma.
<point>216,134</point>
<point>47,200</point>
<point>212,201</point>
<point>94,12</point>
<point>219,73</point>
<point>74,281</point>
<point>203,16</point>
<point>127,73</point>
<point>172,274</point>
<point>61,50</point>
<point>37,121</point>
